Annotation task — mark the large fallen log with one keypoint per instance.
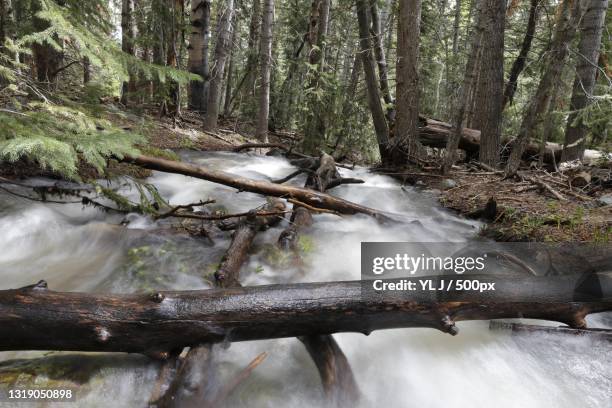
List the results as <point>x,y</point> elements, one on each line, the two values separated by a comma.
<point>155,324</point>
<point>311,197</point>
<point>434,133</point>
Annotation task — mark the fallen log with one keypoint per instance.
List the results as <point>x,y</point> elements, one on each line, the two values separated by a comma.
<point>334,369</point>
<point>311,197</point>
<point>600,334</point>
<point>35,318</point>
<point>183,390</point>
<point>434,133</point>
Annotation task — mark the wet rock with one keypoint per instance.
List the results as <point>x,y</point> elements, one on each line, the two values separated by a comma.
<point>447,184</point>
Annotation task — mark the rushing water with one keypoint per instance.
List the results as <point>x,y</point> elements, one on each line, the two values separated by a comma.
<point>76,248</point>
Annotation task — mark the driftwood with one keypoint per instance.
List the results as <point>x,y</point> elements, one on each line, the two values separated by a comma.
<point>155,324</point>
<point>183,390</point>
<point>311,197</point>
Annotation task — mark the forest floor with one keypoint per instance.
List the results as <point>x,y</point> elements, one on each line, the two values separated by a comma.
<point>537,206</point>
<point>525,209</point>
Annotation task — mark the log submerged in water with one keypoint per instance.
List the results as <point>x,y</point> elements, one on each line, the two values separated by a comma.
<point>182,391</point>
<point>334,369</point>
<point>156,324</point>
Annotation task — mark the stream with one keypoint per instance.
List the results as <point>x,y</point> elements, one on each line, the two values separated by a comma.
<point>76,248</point>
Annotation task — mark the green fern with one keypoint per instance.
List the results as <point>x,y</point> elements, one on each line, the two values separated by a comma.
<point>56,137</point>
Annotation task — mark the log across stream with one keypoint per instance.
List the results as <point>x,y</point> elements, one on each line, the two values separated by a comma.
<point>83,250</point>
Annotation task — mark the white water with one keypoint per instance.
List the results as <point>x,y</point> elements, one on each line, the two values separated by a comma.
<point>82,249</point>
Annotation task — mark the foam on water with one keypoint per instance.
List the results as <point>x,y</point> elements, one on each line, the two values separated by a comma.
<point>75,249</point>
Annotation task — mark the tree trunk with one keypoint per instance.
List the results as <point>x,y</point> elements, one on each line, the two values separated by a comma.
<point>489,96</point>
<point>253,49</point>
<point>379,53</point>
<point>309,197</point>
<point>406,144</point>
<point>159,323</point>
<point>86,71</point>
<point>198,53</point>
<point>315,127</point>
<point>571,14</point>
<point>466,90</point>
<point>519,63</point>
<point>456,27</point>
<point>221,52</point>
<point>47,59</point>
<point>227,100</point>
<point>3,22</point>
<point>349,102</point>
<point>369,68</point>
<point>127,44</point>
<point>266,64</point>
<point>591,28</point>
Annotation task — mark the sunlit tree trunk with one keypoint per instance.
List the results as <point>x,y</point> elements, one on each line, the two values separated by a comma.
<point>266,63</point>
<point>221,53</point>
<point>591,28</point>
<point>198,53</point>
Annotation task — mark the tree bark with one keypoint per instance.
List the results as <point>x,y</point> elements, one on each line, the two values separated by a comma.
<point>310,197</point>
<point>127,44</point>
<point>315,126</point>
<point>406,142</point>
<point>198,54</point>
<point>489,95</point>
<point>349,101</point>
<point>519,63</point>
<point>266,65</point>
<point>334,369</point>
<point>183,391</point>
<point>34,318</point>
<point>369,68</point>
<point>571,14</point>
<point>253,48</point>
<point>381,61</point>
<point>221,52</point>
<point>456,27</point>
<point>47,59</point>
<point>466,90</point>
<point>591,27</point>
